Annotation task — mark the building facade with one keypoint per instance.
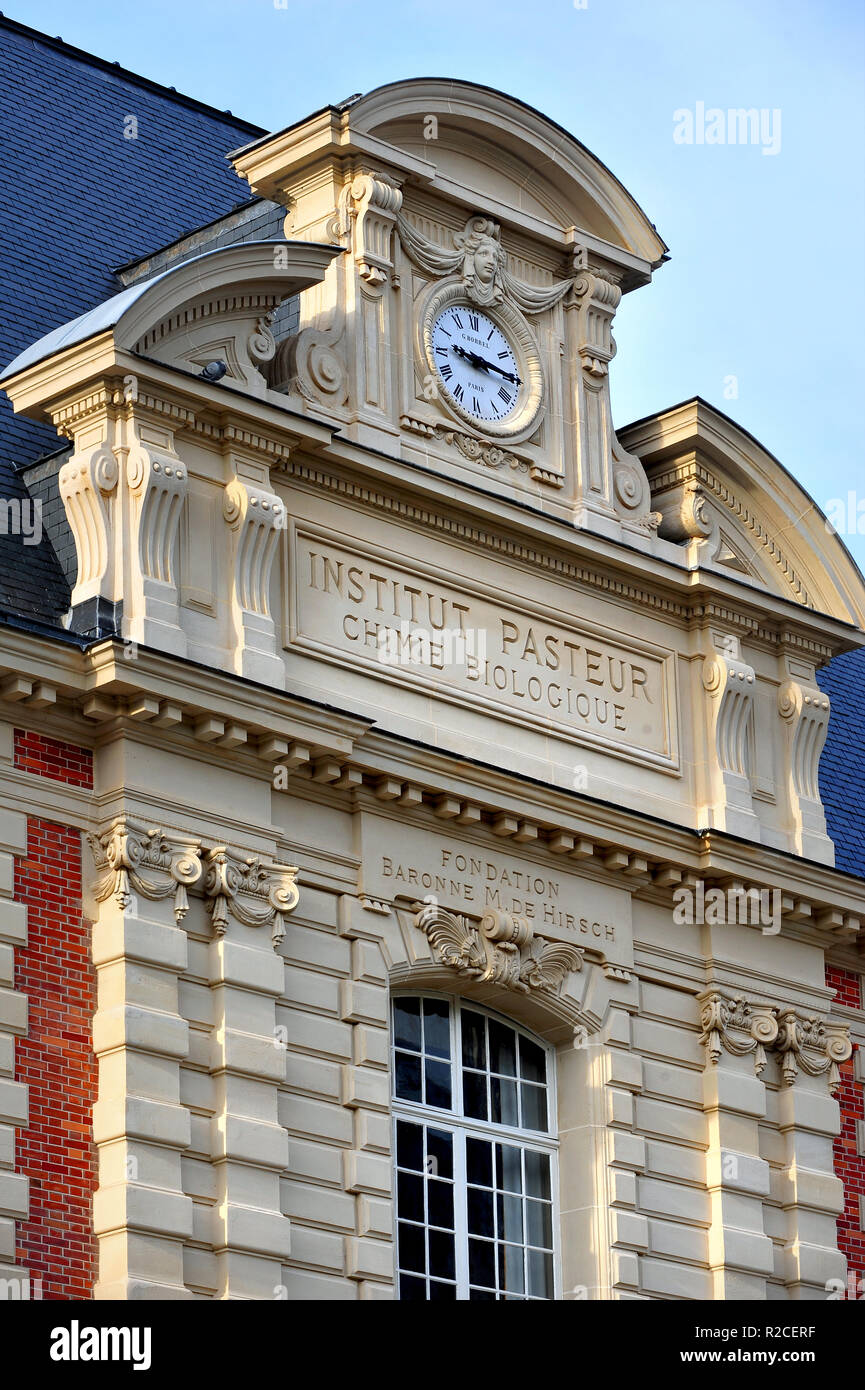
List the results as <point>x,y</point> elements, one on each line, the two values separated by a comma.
<point>418,877</point>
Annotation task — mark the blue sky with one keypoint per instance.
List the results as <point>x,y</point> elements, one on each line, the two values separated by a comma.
<point>765,284</point>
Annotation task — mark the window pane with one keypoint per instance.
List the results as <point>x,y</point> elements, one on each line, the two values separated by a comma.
<point>438,1084</point>
<point>539,1226</point>
<point>479,1162</point>
<point>409,1145</point>
<point>440,1199</point>
<point>475,1094</point>
<point>412,1290</point>
<point>407,1076</point>
<point>537,1174</point>
<point>540,1274</point>
<point>441,1254</point>
<point>482,1263</point>
<point>411,1247</point>
<point>510,1217</point>
<point>439,1149</point>
<point>508,1168</point>
<point>533,1062</point>
<point>478,1295</point>
<point>409,1190</point>
<point>480,1212</point>
<point>436,1027</point>
<point>503,1101</point>
<point>440,1292</point>
<point>406,1023</point>
<point>503,1050</point>
<point>474,1046</point>
<point>534,1106</point>
<point>511,1268</point>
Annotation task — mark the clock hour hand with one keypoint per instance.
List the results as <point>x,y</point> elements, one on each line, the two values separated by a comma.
<point>478,361</point>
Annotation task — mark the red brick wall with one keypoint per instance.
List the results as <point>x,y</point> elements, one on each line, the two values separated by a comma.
<point>850,1165</point>
<point>48,757</point>
<point>55,1059</point>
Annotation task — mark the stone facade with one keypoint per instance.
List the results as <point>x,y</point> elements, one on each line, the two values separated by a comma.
<point>384,698</point>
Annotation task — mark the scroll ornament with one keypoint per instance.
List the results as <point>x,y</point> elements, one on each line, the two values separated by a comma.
<point>815,1045</point>
<point>501,950</point>
<point>732,1024</point>
<point>230,881</point>
<point>479,258</point>
<point>148,862</point>
<point>738,1027</point>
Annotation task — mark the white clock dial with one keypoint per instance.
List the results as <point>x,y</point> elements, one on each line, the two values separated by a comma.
<point>476,363</point>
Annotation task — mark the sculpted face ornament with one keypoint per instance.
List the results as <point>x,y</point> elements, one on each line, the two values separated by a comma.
<point>483,260</point>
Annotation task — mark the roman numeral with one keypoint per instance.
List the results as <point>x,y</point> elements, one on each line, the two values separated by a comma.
<point>442,329</point>
<point>505,395</point>
<point>457,320</point>
<point>476,405</point>
<point>441,352</point>
<point>458,393</point>
<point>446,373</point>
<point>490,334</point>
<point>504,354</point>
<point>473,320</point>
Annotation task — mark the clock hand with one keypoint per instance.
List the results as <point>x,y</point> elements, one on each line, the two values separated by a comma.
<point>478,361</point>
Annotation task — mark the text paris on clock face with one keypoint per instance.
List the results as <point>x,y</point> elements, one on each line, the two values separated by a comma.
<point>476,363</point>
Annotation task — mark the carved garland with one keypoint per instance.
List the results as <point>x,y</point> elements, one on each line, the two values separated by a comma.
<point>157,864</point>
<point>735,1025</point>
<point>502,949</point>
<point>228,879</point>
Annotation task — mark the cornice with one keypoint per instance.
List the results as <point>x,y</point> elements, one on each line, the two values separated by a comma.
<point>234,719</point>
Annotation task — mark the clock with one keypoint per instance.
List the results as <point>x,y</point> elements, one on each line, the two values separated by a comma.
<point>484,363</point>
<point>476,363</point>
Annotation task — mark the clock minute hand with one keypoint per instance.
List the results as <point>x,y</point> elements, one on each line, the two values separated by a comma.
<point>478,361</point>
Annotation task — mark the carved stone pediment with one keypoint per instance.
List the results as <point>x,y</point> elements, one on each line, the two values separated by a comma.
<point>498,948</point>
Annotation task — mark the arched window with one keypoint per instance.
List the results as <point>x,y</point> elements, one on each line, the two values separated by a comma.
<point>475,1145</point>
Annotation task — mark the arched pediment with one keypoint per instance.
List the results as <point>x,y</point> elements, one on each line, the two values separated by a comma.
<point>498,145</point>
<point>472,145</point>
<point>215,306</point>
<point>740,513</point>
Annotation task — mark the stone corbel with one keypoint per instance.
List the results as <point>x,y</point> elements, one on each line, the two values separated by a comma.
<point>816,1046</point>
<point>157,480</point>
<point>154,863</point>
<point>252,891</point>
<point>87,483</point>
<point>733,1024</point>
<point>804,710</point>
<point>501,949</point>
<point>729,684</point>
<point>375,202</point>
<point>255,516</point>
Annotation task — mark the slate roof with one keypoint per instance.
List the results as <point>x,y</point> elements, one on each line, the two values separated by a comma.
<point>842,766</point>
<point>78,200</point>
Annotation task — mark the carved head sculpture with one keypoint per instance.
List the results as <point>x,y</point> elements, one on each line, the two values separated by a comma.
<point>483,259</point>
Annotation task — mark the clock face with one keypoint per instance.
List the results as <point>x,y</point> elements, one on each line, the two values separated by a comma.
<point>476,363</point>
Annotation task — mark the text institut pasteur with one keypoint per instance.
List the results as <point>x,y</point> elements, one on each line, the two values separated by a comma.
<point>584,683</point>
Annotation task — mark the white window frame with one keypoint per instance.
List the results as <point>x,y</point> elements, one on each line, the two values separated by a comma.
<point>463,1127</point>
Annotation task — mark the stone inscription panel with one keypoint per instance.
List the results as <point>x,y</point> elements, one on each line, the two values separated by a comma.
<point>405,861</point>
<point>415,626</point>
